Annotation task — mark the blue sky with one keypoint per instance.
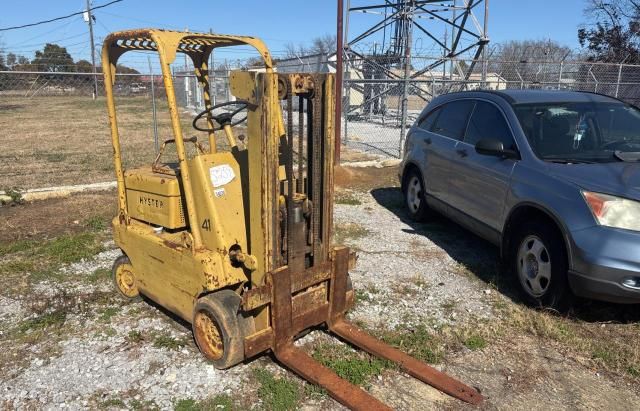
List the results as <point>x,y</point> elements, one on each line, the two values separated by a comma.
<point>275,21</point>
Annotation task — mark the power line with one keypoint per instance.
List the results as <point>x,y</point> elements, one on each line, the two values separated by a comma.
<point>59,18</point>
<point>48,32</point>
<point>57,41</point>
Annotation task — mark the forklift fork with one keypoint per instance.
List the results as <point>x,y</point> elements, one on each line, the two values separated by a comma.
<point>293,310</point>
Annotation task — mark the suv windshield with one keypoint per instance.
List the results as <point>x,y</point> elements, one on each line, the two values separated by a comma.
<point>582,132</point>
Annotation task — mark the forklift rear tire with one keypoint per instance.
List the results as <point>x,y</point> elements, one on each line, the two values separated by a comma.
<point>124,278</point>
<point>219,329</point>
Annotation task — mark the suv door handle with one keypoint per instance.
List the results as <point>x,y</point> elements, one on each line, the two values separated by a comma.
<point>462,152</point>
<point>427,140</point>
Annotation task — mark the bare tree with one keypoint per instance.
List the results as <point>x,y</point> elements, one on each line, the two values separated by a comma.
<point>325,44</point>
<point>3,65</point>
<point>612,33</point>
<point>516,60</point>
<point>532,50</point>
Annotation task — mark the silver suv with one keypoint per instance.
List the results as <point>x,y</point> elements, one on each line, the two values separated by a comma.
<point>551,177</point>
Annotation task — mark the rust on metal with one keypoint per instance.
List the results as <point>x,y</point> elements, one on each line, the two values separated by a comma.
<point>310,318</point>
<point>416,368</point>
<point>339,284</point>
<point>412,366</point>
<point>260,296</point>
<point>309,299</point>
<point>341,390</point>
<point>291,314</point>
<point>258,342</point>
<point>281,307</point>
<point>310,277</point>
<point>256,297</point>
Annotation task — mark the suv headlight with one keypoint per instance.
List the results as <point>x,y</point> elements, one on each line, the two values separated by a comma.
<point>612,211</point>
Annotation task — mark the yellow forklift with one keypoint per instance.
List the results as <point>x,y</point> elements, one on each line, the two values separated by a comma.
<point>238,242</point>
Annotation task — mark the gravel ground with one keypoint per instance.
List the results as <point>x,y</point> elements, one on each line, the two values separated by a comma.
<point>110,354</point>
<point>411,277</point>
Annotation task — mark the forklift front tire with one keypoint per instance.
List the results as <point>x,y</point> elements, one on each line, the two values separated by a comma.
<point>124,278</point>
<point>217,328</point>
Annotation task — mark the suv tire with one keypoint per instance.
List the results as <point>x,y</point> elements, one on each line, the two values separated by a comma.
<point>539,263</point>
<point>414,195</point>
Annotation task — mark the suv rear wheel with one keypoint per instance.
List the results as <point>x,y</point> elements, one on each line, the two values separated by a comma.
<point>414,195</point>
<point>539,261</point>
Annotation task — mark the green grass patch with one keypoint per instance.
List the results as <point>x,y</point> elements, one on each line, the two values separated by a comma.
<point>96,223</point>
<point>72,248</point>
<point>221,402</point>
<point>143,405</point>
<point>347,198</point>
<point>17,267</point>
<point>43,321</point>
<point>186,404</point>
<point>134,337</point>
<point>17,246</point>
<point>101,274</point>
<point>106,332</point>
<point>28,261</point>
<point>314,392</point>
<point>475,342</point>
<point>108,313</point>
<point>168,342</point>
<point>65,249</point>
<point>277,394</point>
<point>355,367</point>
<point>15,195</point>
<point>417,342</point>
<point>111,403</point>
<point>349,232</point>
<point>367,293</point>
<point>363,296</point>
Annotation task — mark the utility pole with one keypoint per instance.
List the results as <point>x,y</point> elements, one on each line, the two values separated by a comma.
<point>409,8</point>
<point>485,36</point>
<point>89,18</point>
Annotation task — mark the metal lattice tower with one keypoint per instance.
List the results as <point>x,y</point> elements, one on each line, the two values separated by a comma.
<point>407,40</point>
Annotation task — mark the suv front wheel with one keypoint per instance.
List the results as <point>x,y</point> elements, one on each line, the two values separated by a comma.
<point>539,261</point>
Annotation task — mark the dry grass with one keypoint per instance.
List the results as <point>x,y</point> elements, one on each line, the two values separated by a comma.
<point>366,178</point>
<point>41,220</point>
<point>610,345</point>
<point>66,140</point>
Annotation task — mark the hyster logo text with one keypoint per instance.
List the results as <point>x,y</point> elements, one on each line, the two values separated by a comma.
<point>151,202</point>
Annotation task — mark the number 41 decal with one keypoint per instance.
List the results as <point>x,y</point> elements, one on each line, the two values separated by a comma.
<point>206,224</point>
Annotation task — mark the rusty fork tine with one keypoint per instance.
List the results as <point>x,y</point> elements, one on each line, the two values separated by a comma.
<point>344,392</point>
<point>412,366</point>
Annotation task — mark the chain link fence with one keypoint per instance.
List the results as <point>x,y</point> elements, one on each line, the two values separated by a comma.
<point>55,133</point>
<point>375,88</point>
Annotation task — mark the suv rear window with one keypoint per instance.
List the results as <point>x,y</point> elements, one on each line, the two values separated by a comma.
<point>426,123</point>
<point>453,117</point>
<point>487,121</point>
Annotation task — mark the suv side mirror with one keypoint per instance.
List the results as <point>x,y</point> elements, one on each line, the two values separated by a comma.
<point>494,147</point>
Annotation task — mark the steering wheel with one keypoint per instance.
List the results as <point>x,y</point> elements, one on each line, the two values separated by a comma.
<point>224,118</point>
